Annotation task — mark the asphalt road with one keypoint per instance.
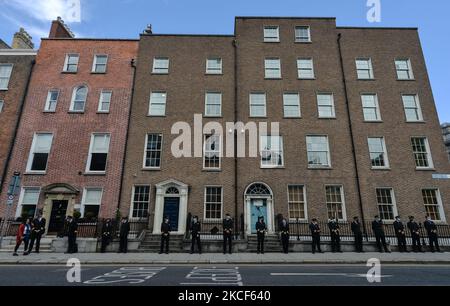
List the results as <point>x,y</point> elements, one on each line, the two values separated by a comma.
<point>243,275</point>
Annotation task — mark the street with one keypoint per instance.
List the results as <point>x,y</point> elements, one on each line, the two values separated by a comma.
<point>224,275</point>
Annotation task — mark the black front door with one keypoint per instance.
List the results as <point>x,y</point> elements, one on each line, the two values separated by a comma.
<point>171,210</point>
<point>57,217</point>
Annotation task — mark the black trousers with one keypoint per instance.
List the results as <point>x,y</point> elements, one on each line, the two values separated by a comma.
<point>335,243</point>
<point>401,243</point>
<point>260,245</point>
<point>381,242</point>
<point>359,242</point>
<point>164,242</point>
<point>25,241</point>
<point>316,243</point>
<point>123,244</point>
<point>227,241</point>
<point>72,239</point>
<point>105,243</point>
<point>285,242</point>
<point>417,246</point>
<point>433,239</point>
<point>35,236</point>
<point>196,240</point>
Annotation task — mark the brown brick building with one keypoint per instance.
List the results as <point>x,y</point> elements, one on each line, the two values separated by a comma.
<point>16,64</point>
<point>71,140</point>
<point>359,133</point>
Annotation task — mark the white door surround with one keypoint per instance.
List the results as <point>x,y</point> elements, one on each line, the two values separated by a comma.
<point>255,191</point>
<point>168,189</point>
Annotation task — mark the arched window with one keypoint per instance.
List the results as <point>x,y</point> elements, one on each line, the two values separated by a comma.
<point>258,189</point>
<point>172,190</point>
<point>79,97</point>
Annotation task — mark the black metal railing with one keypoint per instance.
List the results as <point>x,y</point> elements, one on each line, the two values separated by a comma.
<point>212,229</point>
<point>299,230</point>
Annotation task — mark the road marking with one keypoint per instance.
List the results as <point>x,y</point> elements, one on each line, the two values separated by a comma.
<point>214,276</point>
<point>128,275</point>
<point>324,274</point>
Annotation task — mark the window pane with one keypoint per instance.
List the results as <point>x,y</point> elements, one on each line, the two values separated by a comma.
<point>334,202</point>
<point>31,196</point>
<point>213,104</point>
<point>141,201</point>
<point>296,202</point>
<point>158,103</point>
<point>385,203</point>
<point>98,162</point>
<point>213,202</point>
<point>153,151</point>
<point>271,34</point>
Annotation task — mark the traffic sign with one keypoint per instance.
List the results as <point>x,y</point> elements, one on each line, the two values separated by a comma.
<point>9,202</point>
<point>11,197</point>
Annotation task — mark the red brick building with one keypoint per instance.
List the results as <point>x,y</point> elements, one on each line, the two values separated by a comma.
<point>71,140</point>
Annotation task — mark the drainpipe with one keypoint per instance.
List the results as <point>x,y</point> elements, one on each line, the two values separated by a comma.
<point>235,138</point>
<point>358,184</point>
<point>122,174</point>
<point>16,128</point>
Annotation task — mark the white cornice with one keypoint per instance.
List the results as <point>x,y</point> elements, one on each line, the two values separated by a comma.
<point>17,52</point>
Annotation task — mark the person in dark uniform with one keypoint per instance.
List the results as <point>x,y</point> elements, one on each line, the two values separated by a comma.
<point>431,228</point>
<point>284,230</point>
<point>106,235</point>
<point>414,228</point>
<point>261,229</point>
<point>399,229</point>
<point>165,235</point>
<point>227,233</point>
<point>356,229</point>
<point>377,227</point>
<point>315,233</point>
<point>123,235</point>
<point>72,230</point>
<point>195,232</point>
<point>38,229</point>
<point>333,225</point>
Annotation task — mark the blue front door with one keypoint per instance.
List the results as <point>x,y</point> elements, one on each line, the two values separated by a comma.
<point>171,210</point>
<point>258,208</point>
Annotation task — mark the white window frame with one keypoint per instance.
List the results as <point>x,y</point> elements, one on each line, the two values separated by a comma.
<point>206,103</point>
<point>333,108</point>
<point>8,78</point>
<point>377,107</point>
<point>47,102</point>
<point>252,104</point>
<point>385,153</point>
<point>21,197</point>
<point>439,203</point>
<point>344,210</point>
<point>83,199</point>
<point>267,69</point>
<point>298,39</point>
<point>305,198</point>
<point>72,101</point>
<point>394,203</point>
<point>410,70</point>
<point>94,63</point>
<point>368,60</point>
<point>204,203</point>
<point>100,101</point>
<point>298,105</point>
<point>32,152</point>
<point>159,70</point>
<point>91,144</point>
<point>66,62</point>
<point>261,149</point>
<point>133,190</point>
<point>418,107</point>
<point>212,151</point>
<point>213,71</point>
<point>429,157</point>
<point>271,39</point>
<point>150,103</point>
<point>2,103</point>
<point>313,166</point>
<point>145,152</point>
<point>299,70</point>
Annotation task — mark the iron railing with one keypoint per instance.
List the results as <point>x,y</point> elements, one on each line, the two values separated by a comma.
<point>212,229</point>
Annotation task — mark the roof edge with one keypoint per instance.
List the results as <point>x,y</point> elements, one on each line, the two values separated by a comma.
<point>379,28</point>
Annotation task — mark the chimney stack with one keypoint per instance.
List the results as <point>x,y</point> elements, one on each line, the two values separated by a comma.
<point>60,30</point>
<point>22,40</point>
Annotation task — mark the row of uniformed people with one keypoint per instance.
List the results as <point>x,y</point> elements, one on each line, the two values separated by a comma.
<point>261,230</point>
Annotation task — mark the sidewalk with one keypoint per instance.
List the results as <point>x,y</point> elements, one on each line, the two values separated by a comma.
<point>238,258</point>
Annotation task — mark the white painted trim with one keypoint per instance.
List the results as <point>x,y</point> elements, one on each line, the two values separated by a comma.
<point>47,102</point>
<point>22,194</point>
<point>250,103</point>
<point>394,203</point>
<point>83,199</point>
<point>304,202</point>
<point>18,52</point>
<point>130,213</point>
<point>145,152</point>
<point>270,208</point>
<point>221,203</point>
<point>99,109</point>
<point>312,68</point>
<point>377,107</point>
<point>385,153</point>
<point>31,153</point>
<point>10,74</point>
<point>94,63</point>
<point>72,101</point>
<point>333,105</point>
<point>344,211</point>
<point>88,164</point>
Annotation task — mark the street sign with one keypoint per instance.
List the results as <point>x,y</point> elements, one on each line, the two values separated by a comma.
<point>9,202</point>
<point>11,197</point>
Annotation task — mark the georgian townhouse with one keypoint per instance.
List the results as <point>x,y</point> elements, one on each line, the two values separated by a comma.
<point>16,64</point>
<point>70,142</point>
<point>358,129</point>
